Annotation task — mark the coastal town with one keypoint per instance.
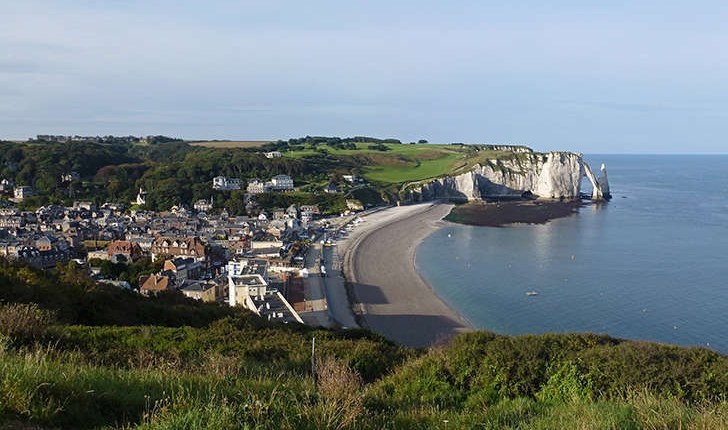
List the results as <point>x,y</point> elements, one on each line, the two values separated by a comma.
<point>261,263</point>
<point>363,215</point>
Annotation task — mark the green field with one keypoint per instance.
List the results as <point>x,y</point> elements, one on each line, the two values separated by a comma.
<point>403,162</point>
<point>417,171</point>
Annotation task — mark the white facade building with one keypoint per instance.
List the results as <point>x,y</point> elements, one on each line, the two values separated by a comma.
<point>282,182</point>
<point>203,205</point>
<point>23,192</point>
<point>141,199</point>
<point>256,187</point>
<point>223,183</point>
<point>243,288</point>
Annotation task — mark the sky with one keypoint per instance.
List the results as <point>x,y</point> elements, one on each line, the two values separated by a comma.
<point>592,77</point>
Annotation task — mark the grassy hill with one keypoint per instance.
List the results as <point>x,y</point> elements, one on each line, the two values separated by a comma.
<point>78,355</point>
<point>400,163</point>
<point>172,171</point>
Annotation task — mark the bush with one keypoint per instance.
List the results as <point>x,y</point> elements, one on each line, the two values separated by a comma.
<point>566,385</point>
<point>379,147</point>
<point>24,321</point>
<point>341,403</point>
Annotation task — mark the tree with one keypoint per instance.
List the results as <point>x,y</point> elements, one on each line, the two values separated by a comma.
<point>236,203</point>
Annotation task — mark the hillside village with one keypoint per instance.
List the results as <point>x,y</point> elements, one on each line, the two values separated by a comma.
<point>254,262</point>
<point>249,215</point>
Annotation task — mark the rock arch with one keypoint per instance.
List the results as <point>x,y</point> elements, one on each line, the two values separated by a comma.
<point>600,186</point>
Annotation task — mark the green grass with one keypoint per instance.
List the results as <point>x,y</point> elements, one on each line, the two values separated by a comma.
<point>403,162</point>
<point>49,388</point>
<point>422,169</point>
<point>60,389</point>
<point>240,371</point>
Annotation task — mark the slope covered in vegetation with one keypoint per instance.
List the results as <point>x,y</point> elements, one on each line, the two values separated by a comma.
<point>173,172</point>
<point>169,362</point>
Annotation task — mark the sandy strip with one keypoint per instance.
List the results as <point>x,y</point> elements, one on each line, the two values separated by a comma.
<point>392,298</point>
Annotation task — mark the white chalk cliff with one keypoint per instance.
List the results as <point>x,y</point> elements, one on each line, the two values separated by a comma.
<point>556,175</point>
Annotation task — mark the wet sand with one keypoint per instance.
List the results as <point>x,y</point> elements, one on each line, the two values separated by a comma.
<point>389,295</point>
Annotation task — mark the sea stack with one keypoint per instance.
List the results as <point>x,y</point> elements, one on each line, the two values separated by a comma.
<point>604,183</point>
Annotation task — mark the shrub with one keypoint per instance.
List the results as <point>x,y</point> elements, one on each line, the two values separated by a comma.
<point>24,321</point>
<point>566,385</point>
<point>339,388</point>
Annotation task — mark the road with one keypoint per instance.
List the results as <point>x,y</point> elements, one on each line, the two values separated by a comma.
<point>326,297</point>
<point>317,313</point>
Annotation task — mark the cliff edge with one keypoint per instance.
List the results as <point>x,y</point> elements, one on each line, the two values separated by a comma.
<point>555,175</point>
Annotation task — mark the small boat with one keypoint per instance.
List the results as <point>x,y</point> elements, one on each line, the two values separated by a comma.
<point>532,293</point>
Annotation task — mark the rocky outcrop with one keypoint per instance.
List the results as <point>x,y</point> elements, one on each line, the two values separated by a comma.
<point>596,191</point>
<point>603,182</point>
<point>461,187</point>
<point>556,175</point>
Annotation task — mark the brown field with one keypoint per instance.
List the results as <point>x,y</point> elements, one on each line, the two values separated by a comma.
<point>230,143</point>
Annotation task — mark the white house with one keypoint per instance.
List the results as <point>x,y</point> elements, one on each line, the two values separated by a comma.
<point>6,185</point>
<point>256,187</point>
<point>23,192</point>
<point>282,182</point>
<point>241,288</point>
<point>70,177</point>
<point>203,205</point>
<point>273,154</point>
<point>223,183</point>
<point>141,199</point>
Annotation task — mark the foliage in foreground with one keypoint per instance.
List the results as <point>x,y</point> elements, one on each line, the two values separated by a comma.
<point>74,298</point>
<point>234,370</point>
<point>183,377</point>
<point>60,389</point>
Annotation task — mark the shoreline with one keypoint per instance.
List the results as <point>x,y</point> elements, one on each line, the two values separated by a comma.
<point>389,295</point>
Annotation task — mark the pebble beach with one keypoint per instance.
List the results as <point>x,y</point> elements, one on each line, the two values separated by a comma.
<point>388,295</point>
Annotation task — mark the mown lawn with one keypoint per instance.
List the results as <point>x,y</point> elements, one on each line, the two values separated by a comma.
<point>401,163</point>
<point>422,169</point>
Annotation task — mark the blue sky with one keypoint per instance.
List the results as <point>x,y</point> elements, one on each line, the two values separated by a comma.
<point>568,75</point>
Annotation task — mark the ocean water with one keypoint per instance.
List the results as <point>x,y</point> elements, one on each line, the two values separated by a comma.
<point>652,264</point>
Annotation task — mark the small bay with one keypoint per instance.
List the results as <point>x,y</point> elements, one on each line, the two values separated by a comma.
<point>651,264</point>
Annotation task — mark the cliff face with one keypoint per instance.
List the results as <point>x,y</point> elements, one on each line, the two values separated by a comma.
<point>556,175</point>
<point>461,187</point>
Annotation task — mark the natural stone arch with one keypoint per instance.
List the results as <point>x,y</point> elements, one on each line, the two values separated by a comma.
<point>600,186</point>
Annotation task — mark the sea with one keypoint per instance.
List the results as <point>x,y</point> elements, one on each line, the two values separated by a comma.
<point>651,264</point>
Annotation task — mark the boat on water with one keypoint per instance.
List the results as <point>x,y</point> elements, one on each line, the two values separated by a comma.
<point>532,293</point>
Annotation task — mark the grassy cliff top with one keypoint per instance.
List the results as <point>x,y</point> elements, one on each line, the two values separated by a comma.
<point>401,163</point>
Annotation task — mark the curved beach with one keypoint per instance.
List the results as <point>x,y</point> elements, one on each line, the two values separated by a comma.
<point>390,297</point>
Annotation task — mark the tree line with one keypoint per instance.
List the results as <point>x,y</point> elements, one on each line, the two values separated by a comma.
<point>168,169</point>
